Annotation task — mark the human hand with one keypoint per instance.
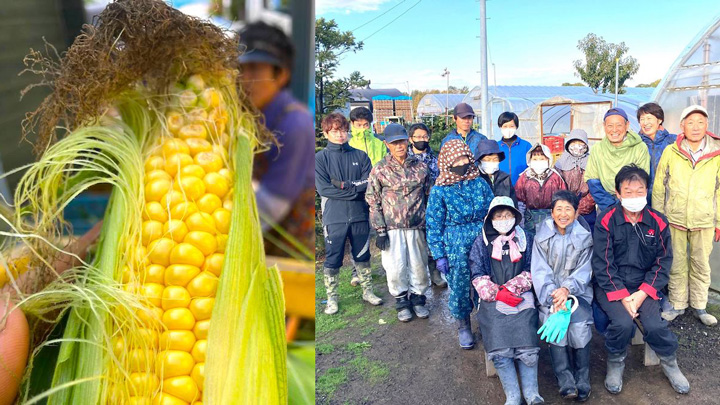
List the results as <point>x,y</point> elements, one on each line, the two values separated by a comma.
<point>507,297</point>
<point>442,265</point>
<point>717,234</point>
<point>559,297</point>
<point>630,307</point>
<point>638,297</point>
<point>337,183</point>
<point>382,241</point>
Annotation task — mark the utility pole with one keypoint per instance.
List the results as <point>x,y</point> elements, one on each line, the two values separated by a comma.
<point>617,75</point>
<point>446,74</point>
<point>484,71</point>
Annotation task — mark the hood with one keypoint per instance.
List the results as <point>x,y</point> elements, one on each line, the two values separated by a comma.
<point>580,237</point>
<point>631,140</point>
<point>713,147</point>
<point>497,203</point>
<point>545,150</point>
<point>576,135</point>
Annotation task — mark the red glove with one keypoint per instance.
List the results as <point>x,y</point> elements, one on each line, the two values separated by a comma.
<point>717,234</point>
<point>507,297</point>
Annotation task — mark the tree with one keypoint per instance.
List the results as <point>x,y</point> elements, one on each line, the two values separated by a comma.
<point>653,84</point>
<point>598,69</point>
<point>578,84</point>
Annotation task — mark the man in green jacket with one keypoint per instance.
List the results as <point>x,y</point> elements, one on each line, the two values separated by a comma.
<point>362,135</point>
<point>686,190</point>
<point>620,147</point>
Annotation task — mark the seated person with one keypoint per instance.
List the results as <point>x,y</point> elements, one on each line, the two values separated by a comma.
<point>488,158</point>
<point>631,262</point>
<point>560,267</point>
<point>506,311</point>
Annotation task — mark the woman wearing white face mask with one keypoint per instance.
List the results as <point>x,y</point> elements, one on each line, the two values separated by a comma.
<point>571,167</point>
<point>535,187</point>
<point>488,160</point>
<point>514,147</point>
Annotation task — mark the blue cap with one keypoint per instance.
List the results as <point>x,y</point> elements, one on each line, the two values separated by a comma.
<point>395,132</point>
<point>258,56</point>
<point>616,111</point>
<point>487,147</point>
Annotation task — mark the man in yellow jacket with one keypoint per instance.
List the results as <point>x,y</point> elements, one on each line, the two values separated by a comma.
<point>362,135</point>
<point>686,190</point>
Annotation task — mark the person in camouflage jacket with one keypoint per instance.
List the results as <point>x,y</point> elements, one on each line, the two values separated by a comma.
<point>397,192</point>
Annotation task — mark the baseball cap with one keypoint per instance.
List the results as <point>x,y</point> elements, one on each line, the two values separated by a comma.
<point>395,132</point>
<point>693,109</point>
<point>463,110</point>
<point>616,111</point>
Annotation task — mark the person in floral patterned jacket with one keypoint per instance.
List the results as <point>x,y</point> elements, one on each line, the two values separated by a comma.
<point>397,192</point>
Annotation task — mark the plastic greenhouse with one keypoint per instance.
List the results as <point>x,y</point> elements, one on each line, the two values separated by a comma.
<point>437,104</point>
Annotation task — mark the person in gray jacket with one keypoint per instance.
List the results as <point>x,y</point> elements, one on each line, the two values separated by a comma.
<point>561,267</point>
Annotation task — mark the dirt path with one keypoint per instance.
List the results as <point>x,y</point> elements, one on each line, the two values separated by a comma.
<point>365,356</point>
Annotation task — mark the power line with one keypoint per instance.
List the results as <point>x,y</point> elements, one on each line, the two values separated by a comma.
<point>395,19</point>
<point>387,11</point>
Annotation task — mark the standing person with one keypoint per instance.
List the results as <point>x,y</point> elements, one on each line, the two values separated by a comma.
<point>651,117</point>
<point>397,195</point>
<point>620,147</point>
<point>341,174</point>
<point>463,115</point>
<point>488,159</point>
<point>506,311</point>
<point>561,267</point>
<point>686,190</point>
<point>420,148</point>
<point>285,201</point>
<point>514,147</point>
<point>571,167</point>
<point>456,210</point>
<point>362,135</point>
<point>536,186</point>
<point>632,255</point>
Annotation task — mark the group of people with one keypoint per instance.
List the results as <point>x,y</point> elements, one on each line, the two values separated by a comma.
<point>621,234</point>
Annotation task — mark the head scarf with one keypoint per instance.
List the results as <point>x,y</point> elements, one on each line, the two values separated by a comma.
<point>567,161</point>
<point>451,152</point>
<point>530,173</point>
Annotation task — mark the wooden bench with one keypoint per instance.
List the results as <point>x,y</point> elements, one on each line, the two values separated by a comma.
<point>489,366</point>
<point>650,358</point>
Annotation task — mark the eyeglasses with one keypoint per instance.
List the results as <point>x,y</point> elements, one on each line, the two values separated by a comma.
<point>503,217</point>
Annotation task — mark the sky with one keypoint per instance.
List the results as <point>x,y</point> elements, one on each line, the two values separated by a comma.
<point>530,42</point>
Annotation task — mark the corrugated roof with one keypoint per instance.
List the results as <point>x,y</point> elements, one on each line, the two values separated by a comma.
<point>438,103</point>
<point>368,94</point>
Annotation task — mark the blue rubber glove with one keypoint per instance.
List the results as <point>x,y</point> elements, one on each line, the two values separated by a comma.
<point>442,265</point>
<point>556,325</point>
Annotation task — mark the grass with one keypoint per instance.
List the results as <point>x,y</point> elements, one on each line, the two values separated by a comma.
<point>330,380</point>
<point>372,371</point>
<point>358,348</point>
<point>324,348</point>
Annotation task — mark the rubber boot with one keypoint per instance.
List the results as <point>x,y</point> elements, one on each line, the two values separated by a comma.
<point>505,368</point>
<point>582,372</point>
<point>678,381</point>
<point>402,305</point>
<point>331,285</point>
<point>563,373</point>
<point>418,305</point>
<point>615,368</point>
<point>529,382</point>
<point>354,279</point>
<point>704,317</point>
<point>465,336</point>
<point>435,274</point>
<point>365,274</point>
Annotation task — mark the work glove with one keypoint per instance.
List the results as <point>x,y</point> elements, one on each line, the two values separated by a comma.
<point>556,325</point>
<point>717,234</point>
<point>507,297</point>
<point>382,242</point>
<point>442,265</point>
<point>339,184</point>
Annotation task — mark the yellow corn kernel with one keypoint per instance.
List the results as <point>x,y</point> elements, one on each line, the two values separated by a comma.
<point>201,221</point>
<point>185,253</point>
<point>150,317</point>
<point>214,263</point>
<point>201,329</point>
<point>192,131</point>
<point>157,174</point>
<point>209,203</point>
<point>175,121</point>
<point>174,163</point>
<point>119,346</point>
<point>138,401</point>
<point>156,163</point>
<point>203,285</point>
<point>222,219</point>
<point>183,210</point>
<point>196,83</point>
<point>159,251</point>
<point>209,161</point>
<point>222,242</point>
<point>175,296</point>
<point>183,387</point>
<point>180,274</point>
<point>197,116</point>
<point>171,199</point>
<point>167,399</point>
<point>199,350</point>
<point>192,171</point>
<point>175,229</point>
<point>227,173</point>
<point>142,258</point>
<point>205,242</point>
<point>127,275</point>
<point>141,360</point>
<point>201,308</point>
<point>154,273</point>
<point>210,98</point>
<point>221,151</point>
<point>188,98</point>
<point>227,204</point>
<point>153,293</point>
<point>155,211</point>
<point>174,363</point>
<point>143,383</point>
<point>182,340</point>
<point>198,374</point>
<point>198,145</point>
<point>191,186</point>
<point>155,190</point>
<point>151,230</point>
<point>148,337</point>
<point>171,146</point>
<point>178,319</point>
<point>216,184</point>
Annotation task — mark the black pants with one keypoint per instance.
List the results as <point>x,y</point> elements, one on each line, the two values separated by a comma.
<point>335,236</point>
<point>620,331</point>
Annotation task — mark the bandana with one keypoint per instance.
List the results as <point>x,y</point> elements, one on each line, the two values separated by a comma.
<point>451,152</point>
<point>498,243</point>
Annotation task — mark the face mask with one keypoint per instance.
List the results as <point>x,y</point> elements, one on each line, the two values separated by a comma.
<point>489,167</point>
<point>508,132</point>
<point>360,132</point>
<point>634,204</point>
<point>577,150</point>
<point>503,225</point>
<point>420,145</point>
<point>460,170</point>
<point>539,166</point>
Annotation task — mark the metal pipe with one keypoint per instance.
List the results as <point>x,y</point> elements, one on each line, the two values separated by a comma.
<point>617,75</point>
<point>484,100</point>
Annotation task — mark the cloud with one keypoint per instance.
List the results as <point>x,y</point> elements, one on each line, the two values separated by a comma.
<point>347,6</point>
